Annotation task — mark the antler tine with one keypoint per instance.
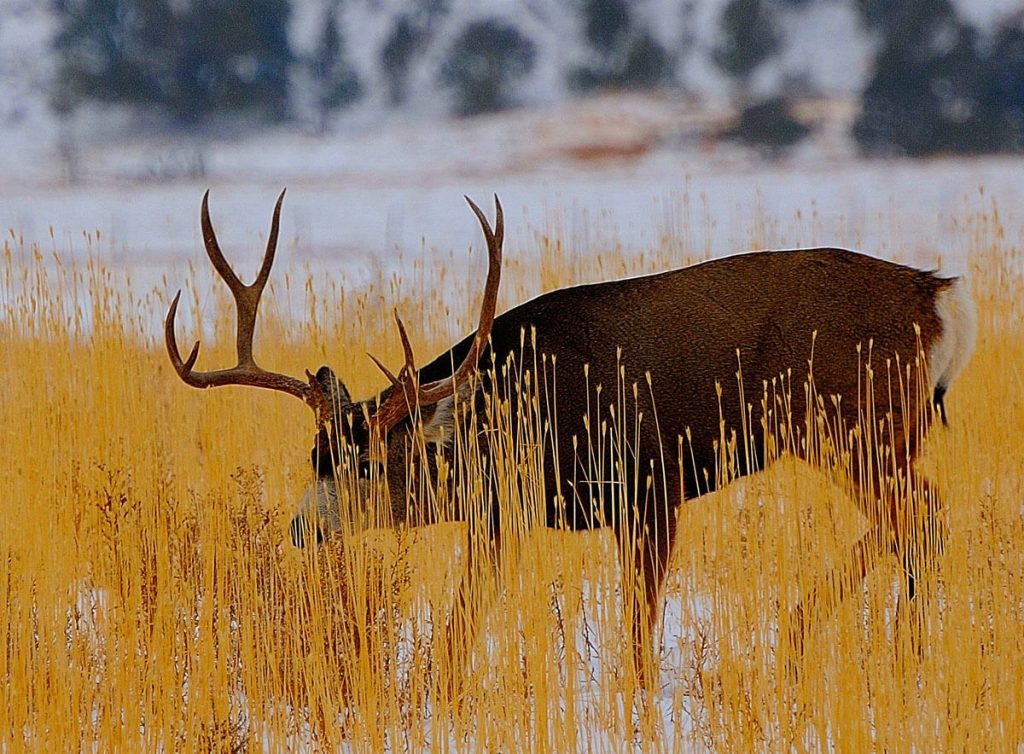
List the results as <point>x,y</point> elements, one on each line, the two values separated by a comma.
<point>496,237</point>
<point>183,368</point>
<point>213,249</point>
<point>441,389</point>
<point>268,257</point>
<point>499,224</point>
<point>247,299</point>
<point>400,401</point>
<point>486,226</point>
<point>380,365</point>
<point>410,359</point>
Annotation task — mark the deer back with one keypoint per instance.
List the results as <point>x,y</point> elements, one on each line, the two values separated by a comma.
<point>765,314</point>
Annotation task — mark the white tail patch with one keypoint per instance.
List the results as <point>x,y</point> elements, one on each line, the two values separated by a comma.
<point>949,354</point>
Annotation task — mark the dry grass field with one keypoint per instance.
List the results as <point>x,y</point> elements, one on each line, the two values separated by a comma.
<point>152,601</point>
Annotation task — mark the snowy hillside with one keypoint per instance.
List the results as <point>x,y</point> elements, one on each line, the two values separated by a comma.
<point>824,52</point>
<point>628,169</point>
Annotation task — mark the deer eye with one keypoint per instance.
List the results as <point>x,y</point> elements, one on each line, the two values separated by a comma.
<point>368,469</point>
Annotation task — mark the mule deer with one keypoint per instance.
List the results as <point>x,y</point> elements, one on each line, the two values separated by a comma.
<point>687,331</point>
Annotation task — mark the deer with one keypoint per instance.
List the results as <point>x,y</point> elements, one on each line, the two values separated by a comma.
<point>751,318</point>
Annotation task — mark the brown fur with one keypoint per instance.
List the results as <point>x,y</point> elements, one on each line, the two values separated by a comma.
<point>684,328</point>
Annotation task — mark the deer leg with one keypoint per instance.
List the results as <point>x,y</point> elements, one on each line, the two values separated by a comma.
<point>472,601</point>
<point>927,530</point>
<point>645,550</point>
<point>920,540</point>
<point>818,603</point>
<point>912,529</point>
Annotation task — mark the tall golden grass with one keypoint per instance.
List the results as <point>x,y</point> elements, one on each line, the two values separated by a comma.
<point>152,601</point>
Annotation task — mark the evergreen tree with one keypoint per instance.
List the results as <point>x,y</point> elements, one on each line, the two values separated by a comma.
<point>233,55</point>
<point>192,58</point>
<point>622,56</point>
<point>606,24</point>
<point>484,62</point>
<point>1007,66</point>
<point>408,37</point>
<point>102,46</point>
<point>931,87</point>
<point>335,80</point>
<point>396,56</point>
<point>748,37</point>
<point>880,14</point>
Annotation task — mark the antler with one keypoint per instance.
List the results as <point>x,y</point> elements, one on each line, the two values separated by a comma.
<point>247,301</point>
<point>406,393</point>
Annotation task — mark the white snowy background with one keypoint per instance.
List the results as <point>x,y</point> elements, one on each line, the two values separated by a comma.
<point>383,181</point>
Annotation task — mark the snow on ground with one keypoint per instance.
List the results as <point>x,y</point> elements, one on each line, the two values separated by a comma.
<point>628,167</point>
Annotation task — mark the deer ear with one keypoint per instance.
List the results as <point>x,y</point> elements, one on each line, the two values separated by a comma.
<point>439,426</point>
<point>333,387</point>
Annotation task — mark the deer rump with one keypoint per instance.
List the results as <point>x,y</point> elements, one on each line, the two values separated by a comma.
<point>684,328</point>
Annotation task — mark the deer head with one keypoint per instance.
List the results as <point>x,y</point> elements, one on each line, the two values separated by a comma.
<point>364,449</point>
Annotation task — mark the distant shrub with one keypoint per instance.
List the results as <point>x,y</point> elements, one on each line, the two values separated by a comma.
<point>409,36</point>
<point>770,126</point>
<point>747,37</point>
<point>335,79</point>
<point>621,55</point>
<point>484,63</point>
<point>397,55</point>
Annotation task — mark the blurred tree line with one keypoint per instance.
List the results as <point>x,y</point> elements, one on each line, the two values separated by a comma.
<point>937,83</point>
<point>188,59</point>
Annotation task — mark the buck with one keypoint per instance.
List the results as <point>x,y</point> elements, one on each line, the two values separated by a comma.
<point>747,320</point>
